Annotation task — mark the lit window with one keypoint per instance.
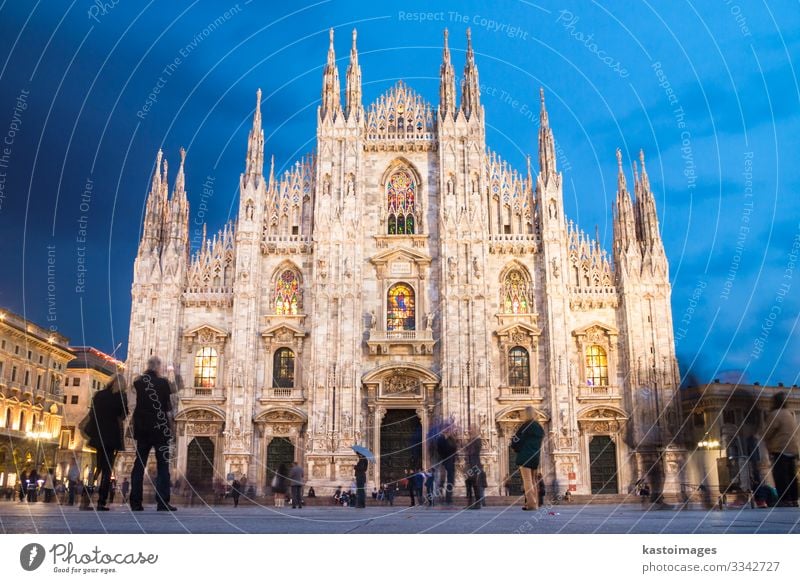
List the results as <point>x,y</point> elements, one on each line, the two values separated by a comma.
<point>514,299</point>
<point>283,368</point>
<point>400,308</point>
<point>519,367</point>
<point>205,368</point>
<point>400,203</point>
<point>288,295</point>
<point>596,366</point>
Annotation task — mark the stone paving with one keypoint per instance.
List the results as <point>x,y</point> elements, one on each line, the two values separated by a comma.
<point>42,518</point>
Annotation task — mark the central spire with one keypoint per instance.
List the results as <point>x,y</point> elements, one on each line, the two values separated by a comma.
<point>353,106</point>
<point>447,82</point>
<point>254,164</point>
<point>547,150</point>
<point>470,87</point>
<point>331,99</point>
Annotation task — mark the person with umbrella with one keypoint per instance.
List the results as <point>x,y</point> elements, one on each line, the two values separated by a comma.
<point>361,480</point>
<point>527,442</point>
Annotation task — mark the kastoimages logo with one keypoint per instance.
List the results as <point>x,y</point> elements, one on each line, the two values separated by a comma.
<point>32,556</point>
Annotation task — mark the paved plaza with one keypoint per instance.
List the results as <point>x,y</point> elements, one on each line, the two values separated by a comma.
<point>609,519</point>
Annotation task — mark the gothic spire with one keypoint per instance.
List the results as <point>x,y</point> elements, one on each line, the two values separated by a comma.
<point>179,193</point>
<point>624,221</point>
<point>648,229</point>
<point>447,82</point>
<point>254,165</point>
<point>331,99</point>
<point>470,87</point>
<point>353,96</point>
<point>154,210</point>
<point>547,150</point>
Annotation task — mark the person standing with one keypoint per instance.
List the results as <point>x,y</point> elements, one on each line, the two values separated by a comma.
<point>296,482</point>
<point>540,488</point>
<point>527,442</point>
<point>278,486</point>
<point>361,481</point>
<point>23,486</point>
<point>125,488</point>
<point>73,475</point>
<point>48,486</point>
<point>781,435</point>
<point>446,448</point>
<point>473,471</point>
<point>429,486</point>
<point>33,486</point>
<point>152,429</point>
<point>109,410</point>
<point>236,487</point>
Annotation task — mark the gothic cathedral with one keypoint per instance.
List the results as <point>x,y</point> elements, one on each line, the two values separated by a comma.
<point>401,275</point>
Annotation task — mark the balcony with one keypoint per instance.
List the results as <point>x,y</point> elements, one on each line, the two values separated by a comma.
<point>519,394</point>
<point>597,393</point>
<point>283,395</point>
<point>418,341</point>
<point>205,394</point>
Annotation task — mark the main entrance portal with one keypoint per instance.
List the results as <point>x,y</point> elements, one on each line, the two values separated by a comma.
<point>200,464</point>
<point>279,451</point>
<point>603,465</point>
<point>401,444</point>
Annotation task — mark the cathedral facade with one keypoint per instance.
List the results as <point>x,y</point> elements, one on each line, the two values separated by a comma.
<point>401,275</point>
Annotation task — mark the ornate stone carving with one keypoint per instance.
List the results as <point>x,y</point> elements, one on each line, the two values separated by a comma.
<point>398,384</point>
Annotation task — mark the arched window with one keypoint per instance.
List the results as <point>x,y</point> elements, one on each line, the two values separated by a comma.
<point>519,367</point>
<point>515,298</point>
<point>596,366</point>
<point>8,418</point>
<point>22,420</point>
<point>283,368</point>
<point>205,368</point>
<point>400,308</point>
<point>400,203</point>
<point>288,295</point>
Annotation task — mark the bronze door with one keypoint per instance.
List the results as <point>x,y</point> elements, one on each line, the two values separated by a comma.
<point>603,465</point>
<point>279,451</point>
<point>200,464</point>
<point>401,444</point>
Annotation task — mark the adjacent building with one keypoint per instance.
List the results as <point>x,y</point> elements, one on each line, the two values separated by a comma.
<point>401,274</point>
<point>33,363</point>
<point>723,429</point>
<point>90,371</point>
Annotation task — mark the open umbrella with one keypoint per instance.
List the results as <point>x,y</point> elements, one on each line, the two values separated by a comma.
<point>364,451</point>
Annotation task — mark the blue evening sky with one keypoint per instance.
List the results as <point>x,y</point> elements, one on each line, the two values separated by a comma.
<point>708,89</point>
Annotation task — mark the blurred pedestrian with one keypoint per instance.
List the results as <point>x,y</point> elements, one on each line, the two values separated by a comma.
<point>73,475</point>
<point>125,489</point>
<point>33,486</point>
<point>296,482</point>
<point>236,492</point>
<point>527,442</point>
<point>429,485</point>
<point>22,486</point>
<point>781,435</point>
<point>109,410</point>
<point>391,490</point>
<point>447,448</point>
<point>152,429</point>
<point>278,486</point>
<point>541,488</point>
<point>48,486</point>
<point>361,480</point>
<point>474,469</point>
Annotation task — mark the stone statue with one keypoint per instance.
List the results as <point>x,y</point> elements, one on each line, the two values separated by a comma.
<point>451,267</point>
<point>237,422</point>
<point>429,321</point>
<point>373,321</point>
<point>476,268</point>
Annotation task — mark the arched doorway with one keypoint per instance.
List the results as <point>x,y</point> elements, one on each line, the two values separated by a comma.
<point>603,465</point>
<point>200,464</point>
<point>513,485</point>
<point>279,451</point>
<point>401,444</point>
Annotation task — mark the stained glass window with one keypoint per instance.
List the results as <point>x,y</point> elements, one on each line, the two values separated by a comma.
<point>519,367</point>
<point>515,294</point>
<point>596,366</point>
<point>283,369</point>
<point>205,368</point>
<point>288,295</point>
<point>400,202</point>
<point>400,308</point>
